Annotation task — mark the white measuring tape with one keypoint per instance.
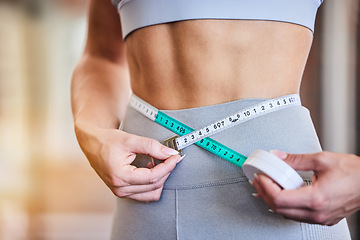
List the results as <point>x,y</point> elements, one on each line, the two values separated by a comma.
<point>258,162</point>
<point>244,115</point>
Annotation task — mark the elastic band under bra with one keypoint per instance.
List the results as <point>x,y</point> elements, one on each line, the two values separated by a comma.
<point>136,14</point>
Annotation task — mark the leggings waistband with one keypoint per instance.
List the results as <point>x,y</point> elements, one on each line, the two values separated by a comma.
<point>289,129</point>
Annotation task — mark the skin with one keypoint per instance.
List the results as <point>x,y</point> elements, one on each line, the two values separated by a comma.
<point>172,66</point>
<point>333,195</point>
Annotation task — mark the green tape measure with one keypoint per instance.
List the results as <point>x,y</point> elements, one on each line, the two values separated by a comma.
<point>207,143</point>
<point>187,135</point>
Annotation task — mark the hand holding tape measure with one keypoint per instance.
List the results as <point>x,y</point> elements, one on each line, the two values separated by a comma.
<point>258,162</point>
<point>333,194</point>
<point>111,152</point>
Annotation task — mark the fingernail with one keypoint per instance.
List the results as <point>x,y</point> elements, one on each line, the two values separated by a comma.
<point>256,176</point>
<point>152,162</point>
<point>251,182</point>
<point>280,154</point>
<point>270,210</point>
<point>181,158</point>
<point>255,195</point>
<point>169,151</point>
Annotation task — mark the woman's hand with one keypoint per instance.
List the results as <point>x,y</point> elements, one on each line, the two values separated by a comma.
<point>111,151</point>
<point>333,195</point>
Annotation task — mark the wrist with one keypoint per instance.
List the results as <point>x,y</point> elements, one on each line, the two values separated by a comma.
<point>91,136</point>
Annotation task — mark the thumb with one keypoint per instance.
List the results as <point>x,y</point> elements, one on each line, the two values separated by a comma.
<point>150,147</point>
<point>302,162</point>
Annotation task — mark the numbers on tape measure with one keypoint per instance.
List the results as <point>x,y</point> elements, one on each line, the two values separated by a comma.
<point>206,143</point>
<point>181,129</point>
<point>222,151</point>
<point>172,124</point>
<point>242,116</point>
<point>189,136</point>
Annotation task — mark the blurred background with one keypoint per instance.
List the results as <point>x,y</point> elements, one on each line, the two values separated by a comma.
<point>47,188</point>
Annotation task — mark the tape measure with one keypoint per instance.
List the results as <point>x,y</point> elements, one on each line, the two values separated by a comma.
<point>264,162</point>
<point>189,136</point>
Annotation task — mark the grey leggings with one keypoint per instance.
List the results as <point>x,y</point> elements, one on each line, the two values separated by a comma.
<point>206,197</point>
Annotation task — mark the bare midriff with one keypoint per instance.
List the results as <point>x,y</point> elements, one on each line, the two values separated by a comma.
<point>204,62</point>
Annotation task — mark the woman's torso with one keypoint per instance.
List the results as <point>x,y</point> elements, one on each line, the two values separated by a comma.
<point>204,62</point>
<point>196,63</point>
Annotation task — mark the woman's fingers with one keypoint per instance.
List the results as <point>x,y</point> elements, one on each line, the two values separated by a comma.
<point>137,189</point>
<point>113,164</point>
<point>152,196</point>
<point>148,146</point>
<point>304,162</point>
<point>276,198</point>
<point>145,176</point>
<point>144,184</point>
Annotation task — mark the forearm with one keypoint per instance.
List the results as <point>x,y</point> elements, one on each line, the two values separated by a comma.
<point>99,92</point>
<point>99,95</point>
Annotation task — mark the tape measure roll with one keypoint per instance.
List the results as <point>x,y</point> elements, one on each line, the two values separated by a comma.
<point>264,162</point>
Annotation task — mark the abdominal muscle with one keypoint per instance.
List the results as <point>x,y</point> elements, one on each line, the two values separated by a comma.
<point>204,62</point>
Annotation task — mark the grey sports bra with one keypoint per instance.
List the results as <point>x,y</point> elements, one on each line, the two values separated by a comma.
<point>136,14</point>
